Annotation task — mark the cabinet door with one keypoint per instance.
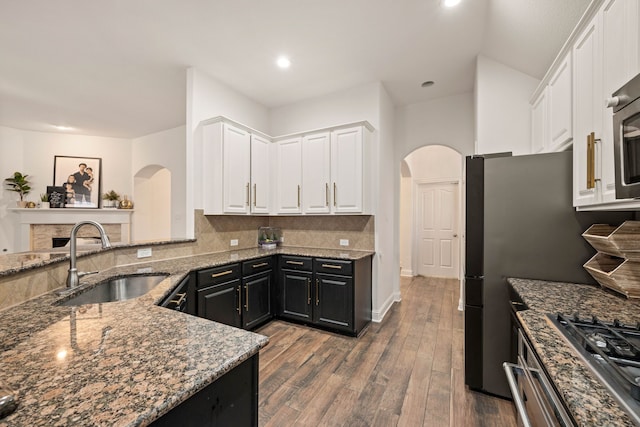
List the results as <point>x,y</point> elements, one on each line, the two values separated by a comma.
<point>256,299</point>
<point>587,76</point>
<point>620,63</point>
<point>346,170</point>
<point>295,295</point>
<point>221,303</point>
<point>237,159</point>
<point>260,170</point>
<point>539,122</point>
<point>316,166</point>
<point>333,302</point>
<point>559,93</point>
<point>289,176</point>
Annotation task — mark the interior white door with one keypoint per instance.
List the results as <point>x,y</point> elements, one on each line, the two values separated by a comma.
<point>438,252</point>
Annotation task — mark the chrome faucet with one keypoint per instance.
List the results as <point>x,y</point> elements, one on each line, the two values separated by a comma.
<point>73,278</point>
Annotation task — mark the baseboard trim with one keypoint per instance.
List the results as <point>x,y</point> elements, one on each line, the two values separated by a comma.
<point>406,272</point>
<point>378,315</point>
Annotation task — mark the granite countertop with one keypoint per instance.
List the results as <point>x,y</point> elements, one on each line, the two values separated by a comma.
<point>127,362</point>
<point>588,400</point>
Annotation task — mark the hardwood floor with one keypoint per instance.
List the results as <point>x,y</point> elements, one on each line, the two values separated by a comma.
<point>406,371</point>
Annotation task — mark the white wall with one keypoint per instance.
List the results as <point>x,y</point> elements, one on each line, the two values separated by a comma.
<point>207,98</point>
<point>352,105</point>
<point>503,121</point>
<point>33,153</point>
<point>11,159</point>
<point>166,149</point>
<point>446,121</point>
<point>153,198</point>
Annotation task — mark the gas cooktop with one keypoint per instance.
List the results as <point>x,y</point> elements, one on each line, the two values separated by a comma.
<point>612,351</point>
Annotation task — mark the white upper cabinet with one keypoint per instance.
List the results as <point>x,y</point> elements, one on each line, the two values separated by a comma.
<point>551,111</point>
<point>237,169</point>
<point>559,94</point>
<point>587,118</point>
<point>226,154</point>
<point>605,57</point>
<point>260,175</point>
<point>316,173</point>
<point>539,122</point>
<point>289,176</point>
<point>320,172</point>
<point>347,156</point>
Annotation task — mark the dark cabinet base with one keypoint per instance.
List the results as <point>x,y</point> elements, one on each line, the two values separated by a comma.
<point>232,400</point>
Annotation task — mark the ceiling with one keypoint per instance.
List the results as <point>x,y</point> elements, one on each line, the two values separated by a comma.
<point>118,67</point>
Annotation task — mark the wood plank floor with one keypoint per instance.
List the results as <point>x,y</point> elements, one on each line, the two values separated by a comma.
<point>406,371</point>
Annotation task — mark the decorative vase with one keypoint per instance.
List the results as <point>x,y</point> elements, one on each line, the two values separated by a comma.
<point>125,203</point>
<point>22,203</point>
<point>44,205</point>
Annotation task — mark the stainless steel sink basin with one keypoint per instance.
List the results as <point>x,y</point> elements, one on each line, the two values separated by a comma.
<point>118,289</point>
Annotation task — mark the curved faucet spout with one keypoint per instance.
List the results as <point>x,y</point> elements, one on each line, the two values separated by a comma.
<point>73,278</point>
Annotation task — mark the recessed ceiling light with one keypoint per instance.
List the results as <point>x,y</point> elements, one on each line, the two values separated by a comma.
<point>59,127</point>
<point>283,62</point>
<point>450,3</point>
<point>427,83</point>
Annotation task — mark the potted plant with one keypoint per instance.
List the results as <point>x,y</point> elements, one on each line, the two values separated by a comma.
<point>44,201</point>
<point>20,184</point>
<point>110,199</point>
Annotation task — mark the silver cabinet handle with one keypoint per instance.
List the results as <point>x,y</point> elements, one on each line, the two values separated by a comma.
<point>508,370</point>
<point>326,194</point>
<point>248,191</point>
<point>335,192</point>
<point>298,195</point>
<point>335,267</point>
<point>255,195</point>
<point>262,264</point>
<point>295,262</point>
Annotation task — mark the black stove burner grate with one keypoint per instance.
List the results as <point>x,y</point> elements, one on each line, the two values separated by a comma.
<point>617,345</point>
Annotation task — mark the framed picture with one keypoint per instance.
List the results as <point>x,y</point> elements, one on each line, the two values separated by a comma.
<point>81,179</point>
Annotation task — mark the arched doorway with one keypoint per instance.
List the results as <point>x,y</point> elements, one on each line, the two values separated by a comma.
<point>152,196</point>
<point>431,206</point>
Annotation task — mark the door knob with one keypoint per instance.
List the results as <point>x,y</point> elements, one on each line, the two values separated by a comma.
<point>455,235</point>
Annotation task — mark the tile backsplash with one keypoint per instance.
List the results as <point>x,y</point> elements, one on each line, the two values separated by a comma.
<point>215,232</point>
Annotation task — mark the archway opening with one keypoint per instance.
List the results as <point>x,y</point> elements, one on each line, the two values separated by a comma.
<point>431,212</point>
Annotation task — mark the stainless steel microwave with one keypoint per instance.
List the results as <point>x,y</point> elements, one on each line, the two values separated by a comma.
<point>626,138</point>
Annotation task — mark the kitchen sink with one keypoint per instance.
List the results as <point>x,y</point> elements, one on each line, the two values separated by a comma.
<point>116,289</point>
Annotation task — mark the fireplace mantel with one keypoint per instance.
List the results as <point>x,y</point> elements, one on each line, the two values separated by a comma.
<point>28,217</point>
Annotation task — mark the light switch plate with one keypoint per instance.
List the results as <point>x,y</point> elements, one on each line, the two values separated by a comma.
<point>234,242</point>
<point>344,242</point>
<point>144,253</point>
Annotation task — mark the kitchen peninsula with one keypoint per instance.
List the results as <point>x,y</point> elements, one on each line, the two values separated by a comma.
<point>128,362</point>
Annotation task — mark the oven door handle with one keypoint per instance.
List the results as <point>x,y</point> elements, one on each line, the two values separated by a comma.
<point>513,385</point>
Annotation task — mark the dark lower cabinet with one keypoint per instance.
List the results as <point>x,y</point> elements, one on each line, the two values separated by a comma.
<point>231,400</point>
<point>329,293</point>
<point>334,302</point>
<point>257,299</point>
<point>221,303</point>
<point>295,295</point>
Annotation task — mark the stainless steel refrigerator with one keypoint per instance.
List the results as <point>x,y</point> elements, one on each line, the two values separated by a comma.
<point>519,223</point>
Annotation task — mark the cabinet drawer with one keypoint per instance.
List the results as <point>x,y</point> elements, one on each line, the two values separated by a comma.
<point>216,275</point>
<point>295,263</point>
<point>257,265</point>
<point>333,266</point>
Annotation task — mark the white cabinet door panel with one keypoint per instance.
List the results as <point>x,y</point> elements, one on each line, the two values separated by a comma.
<point>289,176</point>
<point>316,173</point>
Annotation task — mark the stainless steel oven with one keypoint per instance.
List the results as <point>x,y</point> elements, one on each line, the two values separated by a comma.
<point>537,402</point>
<point>626,138</point>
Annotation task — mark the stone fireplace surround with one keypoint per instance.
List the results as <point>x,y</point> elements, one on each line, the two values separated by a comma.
<point>38,227</point>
